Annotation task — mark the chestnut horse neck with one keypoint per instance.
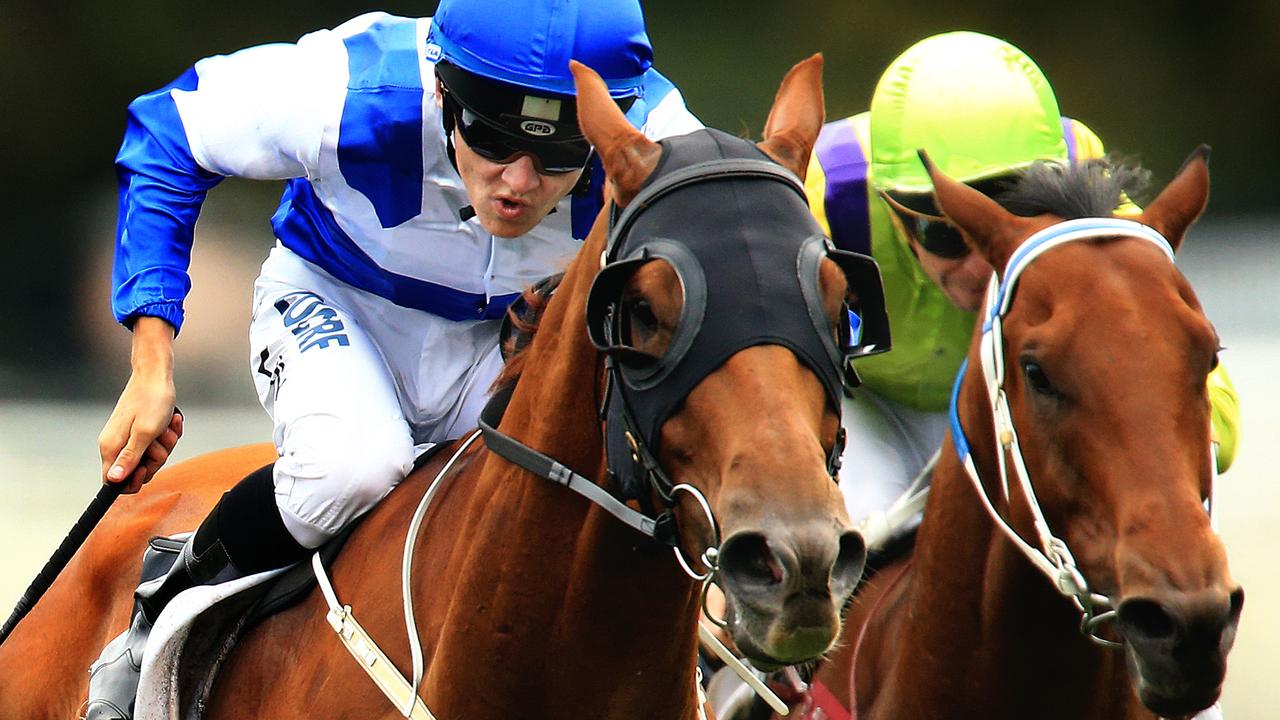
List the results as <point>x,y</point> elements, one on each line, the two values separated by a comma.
<point>554,409</point>
<point>554,406</point>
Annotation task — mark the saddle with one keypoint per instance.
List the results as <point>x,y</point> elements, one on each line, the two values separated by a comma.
<point>199,628</point>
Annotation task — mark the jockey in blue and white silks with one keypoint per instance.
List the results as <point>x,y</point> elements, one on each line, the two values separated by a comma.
<point>433,170</point>
<point>348,118</point>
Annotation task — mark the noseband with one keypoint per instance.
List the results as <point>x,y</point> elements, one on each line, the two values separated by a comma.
<point>1052,557</point>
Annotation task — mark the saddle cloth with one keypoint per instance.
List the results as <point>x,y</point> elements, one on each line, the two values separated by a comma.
<point>200,626</point>
<point>191,638</point>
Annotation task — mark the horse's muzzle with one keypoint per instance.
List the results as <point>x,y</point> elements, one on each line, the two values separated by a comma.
<point>786,586</point>
<point>1177,646</point>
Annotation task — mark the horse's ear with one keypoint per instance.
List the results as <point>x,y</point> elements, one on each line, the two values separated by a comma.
<point>989,228</point>
<point>796,117</point>
<point>628,156</point>
<point>1182,200</point>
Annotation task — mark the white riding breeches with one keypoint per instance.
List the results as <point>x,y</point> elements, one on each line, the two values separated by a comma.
<point>353,382</point>
<point>887,446</point>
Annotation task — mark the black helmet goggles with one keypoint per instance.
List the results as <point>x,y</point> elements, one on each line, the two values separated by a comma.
<point>502,122</point>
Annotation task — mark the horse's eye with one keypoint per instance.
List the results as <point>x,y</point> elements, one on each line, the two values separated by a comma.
<point>1037,378</point>
<point>640,319</point>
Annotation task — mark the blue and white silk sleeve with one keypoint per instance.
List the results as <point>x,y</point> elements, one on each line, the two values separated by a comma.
<point>247,114</point>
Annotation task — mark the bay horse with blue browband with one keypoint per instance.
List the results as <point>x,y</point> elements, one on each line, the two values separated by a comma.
<point>530,600</point>
<point>1073,483</point>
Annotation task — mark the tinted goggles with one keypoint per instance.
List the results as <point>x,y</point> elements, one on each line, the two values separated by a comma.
<point>494,142</point>
<point>931,232</point>
<point>921,219</point>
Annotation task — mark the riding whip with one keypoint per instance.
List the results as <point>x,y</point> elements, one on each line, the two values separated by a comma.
<point>70,544</point>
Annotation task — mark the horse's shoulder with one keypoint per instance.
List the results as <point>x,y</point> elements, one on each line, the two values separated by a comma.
<point>221,468</point>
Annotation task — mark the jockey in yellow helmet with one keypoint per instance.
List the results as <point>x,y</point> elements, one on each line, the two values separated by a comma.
<point>983,110</point>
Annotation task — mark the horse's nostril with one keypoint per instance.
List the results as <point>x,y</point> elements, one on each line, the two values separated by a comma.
<point>1147,619</point>
<point>850,561</point>
<point>746,558</point>
<point>1237,604</point>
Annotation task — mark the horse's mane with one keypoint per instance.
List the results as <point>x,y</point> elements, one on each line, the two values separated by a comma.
<point>521,323</point>
<point>1089,188</point>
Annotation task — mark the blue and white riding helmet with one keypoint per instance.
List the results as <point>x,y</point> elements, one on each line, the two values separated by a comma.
<point>504,65</point>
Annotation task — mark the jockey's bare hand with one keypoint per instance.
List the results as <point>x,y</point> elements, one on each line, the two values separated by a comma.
<point>145,426</point>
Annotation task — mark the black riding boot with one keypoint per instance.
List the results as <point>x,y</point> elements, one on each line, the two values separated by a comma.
<point>243,535</point>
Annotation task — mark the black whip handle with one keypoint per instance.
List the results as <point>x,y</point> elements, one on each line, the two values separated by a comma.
<point>70,544</point>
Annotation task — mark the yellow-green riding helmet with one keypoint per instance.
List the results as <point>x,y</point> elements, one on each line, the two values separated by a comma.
<point>978,105</point>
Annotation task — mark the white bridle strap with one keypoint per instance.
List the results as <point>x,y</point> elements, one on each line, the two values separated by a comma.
<point>1052,558</point>
<point>401,691</point>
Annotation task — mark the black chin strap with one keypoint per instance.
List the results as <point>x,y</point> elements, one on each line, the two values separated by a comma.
<point>466,212</point>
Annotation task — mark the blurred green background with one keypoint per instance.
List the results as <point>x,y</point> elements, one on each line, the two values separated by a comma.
<point>1154,79</point>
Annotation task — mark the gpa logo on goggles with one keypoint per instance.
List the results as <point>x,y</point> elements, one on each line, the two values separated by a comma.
<point>538,128</point>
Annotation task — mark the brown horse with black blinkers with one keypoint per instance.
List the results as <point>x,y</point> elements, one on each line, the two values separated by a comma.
<point>1073,482</point>
<point>530,600</point>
